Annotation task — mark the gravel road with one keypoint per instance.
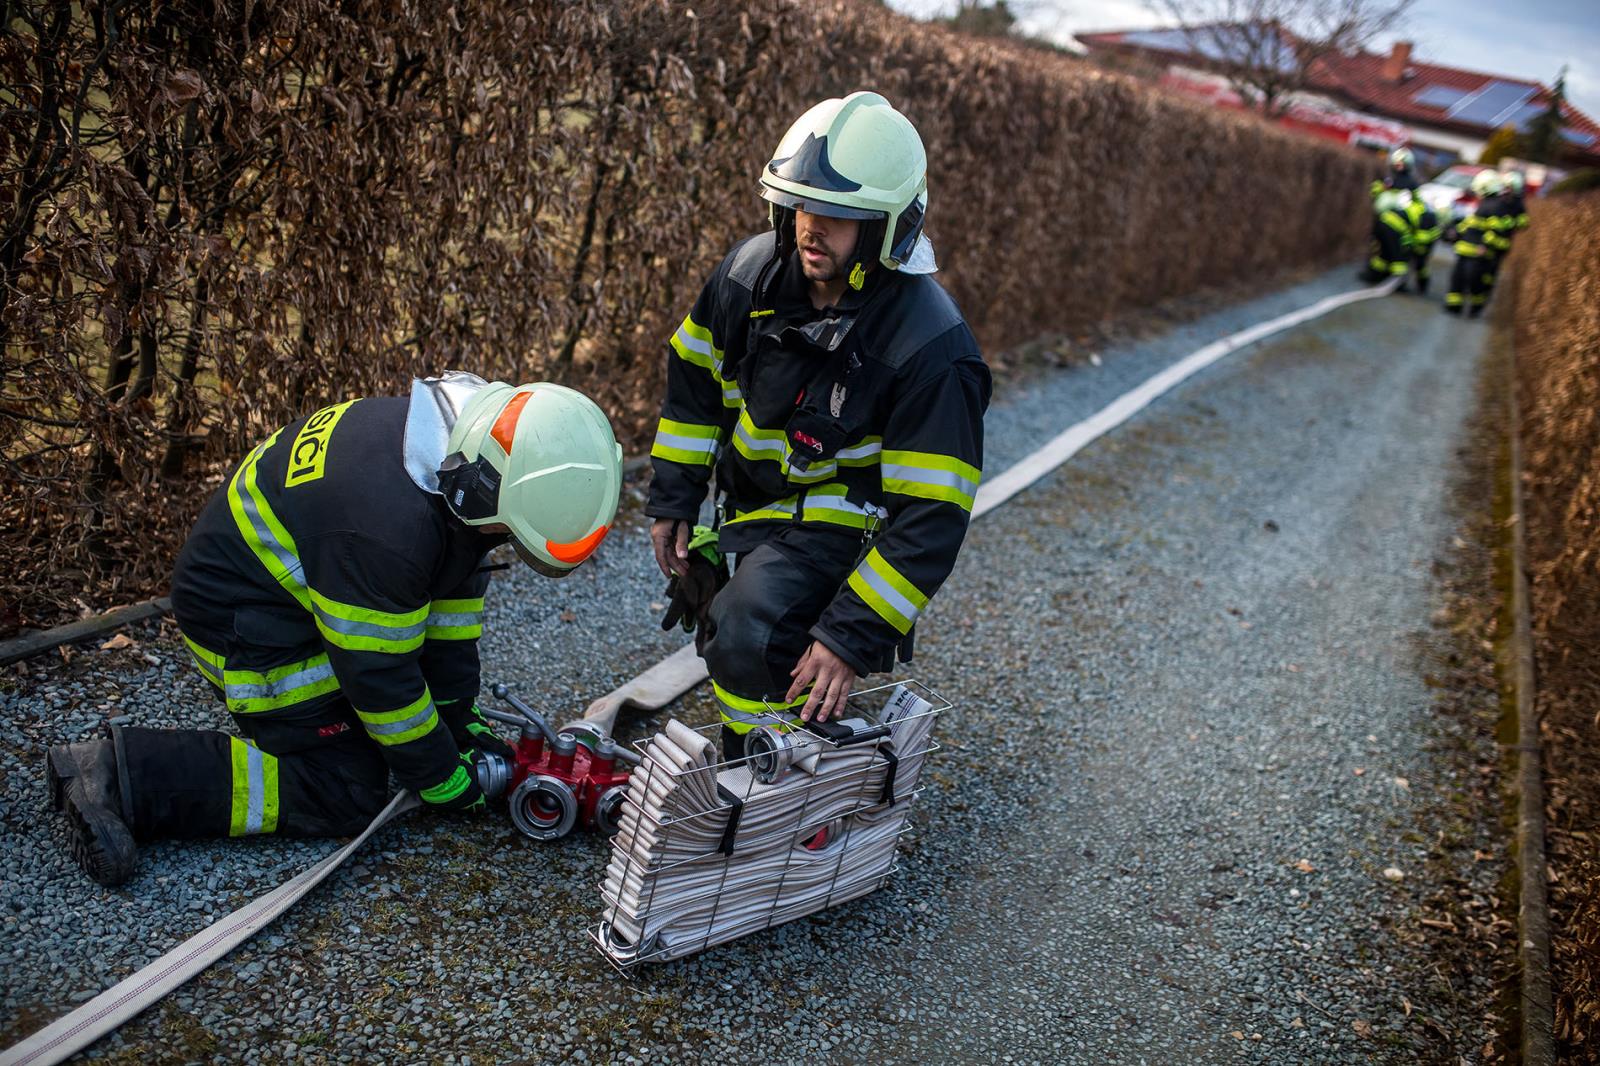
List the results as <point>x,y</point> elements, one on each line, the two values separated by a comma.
<point>1198,687</point>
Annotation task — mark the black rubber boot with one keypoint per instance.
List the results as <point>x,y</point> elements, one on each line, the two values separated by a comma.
<point>84,786</point>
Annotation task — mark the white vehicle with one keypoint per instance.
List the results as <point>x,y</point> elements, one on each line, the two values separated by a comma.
<point>1449,195</point>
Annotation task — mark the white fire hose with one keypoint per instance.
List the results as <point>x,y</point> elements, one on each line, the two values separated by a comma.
<point>708,852</point>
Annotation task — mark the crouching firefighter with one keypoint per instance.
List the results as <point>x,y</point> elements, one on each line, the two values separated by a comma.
<point>332,593</point>
<point>835,389</point>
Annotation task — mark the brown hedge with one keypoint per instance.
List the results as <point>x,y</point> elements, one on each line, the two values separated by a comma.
<point>1557,340</point>
<point>220,215</point>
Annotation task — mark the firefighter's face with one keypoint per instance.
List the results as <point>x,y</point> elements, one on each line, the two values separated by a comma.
<point>825,244</point>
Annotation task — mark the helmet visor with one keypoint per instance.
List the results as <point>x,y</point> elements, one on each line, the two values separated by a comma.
<point>548,569</point>
<point>813,206</point>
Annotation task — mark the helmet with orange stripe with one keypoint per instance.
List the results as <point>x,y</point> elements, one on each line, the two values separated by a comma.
<point>541,461</point>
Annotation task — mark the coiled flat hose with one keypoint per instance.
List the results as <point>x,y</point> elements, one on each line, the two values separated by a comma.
<point>677,884</point>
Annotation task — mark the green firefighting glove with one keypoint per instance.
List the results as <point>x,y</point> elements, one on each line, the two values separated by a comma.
<point>690,595</point>
<point>459,791</point>
<point>471,730</point>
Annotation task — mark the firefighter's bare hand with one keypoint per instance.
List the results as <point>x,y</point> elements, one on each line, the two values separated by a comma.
<point>830,678</point>
<point>670,539</point>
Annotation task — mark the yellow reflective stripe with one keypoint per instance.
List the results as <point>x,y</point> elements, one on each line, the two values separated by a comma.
<point>448,789</point>
<point>690,443</point>
<point>404,724</point>
<point>253,691</point>
<point>883,588</point>
<point>781,510</point>
<point>364,629</point>
<point>828,504</point>
<point>930,476</point>
<point>255,790</point>
<point>731,396</point>
<point>864,452</point>
<point>266,536</point>
<point>742,715</point>
<point>755,443</point>
<point>209,662</point>
<point>694,345</point>
<point>455,619</point>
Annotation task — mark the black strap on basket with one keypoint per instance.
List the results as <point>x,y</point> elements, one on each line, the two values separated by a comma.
<point>735,809</point>
<point>887,751</point>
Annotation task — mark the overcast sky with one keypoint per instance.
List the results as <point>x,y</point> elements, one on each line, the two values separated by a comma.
<point>1528,39</point>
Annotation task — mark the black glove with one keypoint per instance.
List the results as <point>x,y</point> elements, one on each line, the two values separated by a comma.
<point>689,595</point>
<point>471,730</point>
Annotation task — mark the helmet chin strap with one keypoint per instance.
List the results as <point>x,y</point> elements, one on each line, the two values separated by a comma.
<point>869,242</point>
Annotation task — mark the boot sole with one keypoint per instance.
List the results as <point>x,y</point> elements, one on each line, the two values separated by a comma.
<point>101,844</point>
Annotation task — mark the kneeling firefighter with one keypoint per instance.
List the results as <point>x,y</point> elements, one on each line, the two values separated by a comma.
<point>332,593</point>
<point>836,391</point>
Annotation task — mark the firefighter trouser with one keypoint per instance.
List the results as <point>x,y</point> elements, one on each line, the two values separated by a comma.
<point>1468,288</point>
<point>309,778</point>
<point>1420,254</point>
<point>760,623</point>
<point>1389,257</point>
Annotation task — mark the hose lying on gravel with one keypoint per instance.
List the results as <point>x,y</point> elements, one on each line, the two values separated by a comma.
<point>707,853</point>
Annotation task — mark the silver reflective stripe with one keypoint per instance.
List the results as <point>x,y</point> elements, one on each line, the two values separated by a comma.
<point>707,445</point>
<point>694,344</point>
<point>370,629</point>
<point>238,690</point>
<point>832,503</point>
<point>812,474</point>
<point>731,396</point>
<point>247,503</point>
<point>212,673</point>
<point>860,451</point>
<point>465,618</point>
<point>758,717</point>
<point>944,478</point>
<point>258,790</point>
<point>388,728</point>
<point>907,609</point>
<point>776,445</point>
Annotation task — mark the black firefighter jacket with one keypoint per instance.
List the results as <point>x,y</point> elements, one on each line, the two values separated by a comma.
<point>866,416</point>
<point>321,571</point>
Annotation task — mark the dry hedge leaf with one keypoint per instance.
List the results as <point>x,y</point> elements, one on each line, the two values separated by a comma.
<point>534,197</point>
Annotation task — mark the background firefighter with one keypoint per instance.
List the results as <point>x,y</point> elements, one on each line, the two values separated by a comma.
<point>1481,238</point>
<point>1404,229</point>
<point>332,593</point>
<point>838,393</point>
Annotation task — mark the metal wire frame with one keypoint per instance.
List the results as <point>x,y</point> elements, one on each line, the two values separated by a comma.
<point>802,828</point>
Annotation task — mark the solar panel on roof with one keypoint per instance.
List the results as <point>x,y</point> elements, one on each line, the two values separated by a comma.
<point>1440,96</point>
<point>1168,40</point>
<point>1225,43</point>
<point>1579,138</point>
<point>1486,105</point>
<point>1523,115</point>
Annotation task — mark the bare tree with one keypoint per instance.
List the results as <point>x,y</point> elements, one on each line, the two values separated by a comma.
<point>1269,49</point>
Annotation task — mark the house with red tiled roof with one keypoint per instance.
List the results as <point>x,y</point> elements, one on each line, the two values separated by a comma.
<point>1444,112</point>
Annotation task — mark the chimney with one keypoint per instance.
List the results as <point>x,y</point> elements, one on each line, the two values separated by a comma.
<point>1394,68</point>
